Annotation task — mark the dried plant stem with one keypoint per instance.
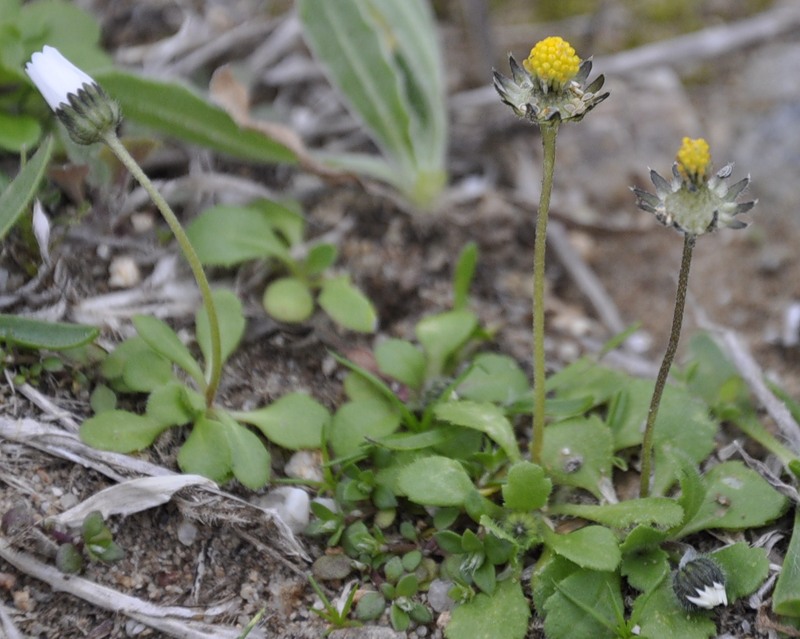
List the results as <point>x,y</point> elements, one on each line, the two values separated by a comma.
<point>669,356</point>
<point>549,132</point>
<point>214,367</point>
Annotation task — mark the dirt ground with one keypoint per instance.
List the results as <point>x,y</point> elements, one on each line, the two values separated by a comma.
<point>226,565</point>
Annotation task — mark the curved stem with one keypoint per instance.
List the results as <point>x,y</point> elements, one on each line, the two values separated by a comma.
<point>549,132</point>
<point>215,365</point>
<point>663,372</point>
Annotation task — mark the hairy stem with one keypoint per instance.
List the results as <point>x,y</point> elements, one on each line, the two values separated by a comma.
<point>549,133</point>
<point>663,372</point>
<point>214,367</point>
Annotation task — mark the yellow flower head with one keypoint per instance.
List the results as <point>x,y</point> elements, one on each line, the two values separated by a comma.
<point>553,61</point>
<point>694,159</point>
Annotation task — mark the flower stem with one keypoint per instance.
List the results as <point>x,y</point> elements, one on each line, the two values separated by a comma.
<point>663,372</point>
<point>549,132</point>
<point>214,368</point>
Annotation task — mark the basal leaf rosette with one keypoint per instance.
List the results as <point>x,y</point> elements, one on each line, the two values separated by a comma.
<point>550,84</point>
<point>696,200</point>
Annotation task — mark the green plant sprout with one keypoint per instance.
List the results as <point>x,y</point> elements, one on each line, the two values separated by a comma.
<point>694,202</point>
<point>333,615</point>
<point>229,235</point>
<point>549,88</point>
<point>383,57</point>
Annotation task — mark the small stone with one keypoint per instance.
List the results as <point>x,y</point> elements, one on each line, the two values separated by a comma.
<point>331,567</point>
<point>438,597</point>
<point>142,222</point>
<point>291,504</point>
<point>187,533</point>
<point>123,272</point>
<point>22,600</point>
<point>305,464</point>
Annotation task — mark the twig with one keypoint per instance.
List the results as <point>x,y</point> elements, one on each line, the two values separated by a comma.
<point>172,620</point>
<point>754,377</point>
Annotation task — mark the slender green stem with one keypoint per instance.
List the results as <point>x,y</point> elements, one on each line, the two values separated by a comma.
<point>214,369</point>
<point>549,133</point>
<point>663,372</point>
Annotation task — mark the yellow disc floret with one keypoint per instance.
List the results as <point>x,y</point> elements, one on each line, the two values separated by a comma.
<point>694,159</point>
<point>554,61</point>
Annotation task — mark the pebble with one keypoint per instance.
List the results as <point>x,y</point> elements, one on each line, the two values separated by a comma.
<point>291,504</point>
<point>331,567</point>
<point>305,464</point>
<point>187,533</point>
<point>438,599</point>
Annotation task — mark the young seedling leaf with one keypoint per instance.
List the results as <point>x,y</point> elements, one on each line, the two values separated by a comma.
<point>578,452</point>
<point>435,481</point>
<point>402,361</point>
<point>745,569</point>
<point>356,423</point>
<point>294,421</point>
<point>174,405</point>
<point>592,547</point>
<point>41,335</point>
<point>645,568</point>
<point>348,306</point>
<point>320,258</point>
<point>163,340</point>
<point>18,195</point>
<point>584,606</point>
<point>660,615</point>
<point>659,511</point>
<point>146,371</point>
<point>442,335</point>
<point>495,378</point>
<point>736,498</point>
<point>231,324</point>
<point>506,610</point>
<point>177,111</point>
<point>207,452</point>
<point>226,235</point>
<point>120,431</point>
<point>527,488</point>
<point>786,597</point>
<point>463,274</point>
<point>484,417</point>
<point>288,299</point>
<point>249,459</point>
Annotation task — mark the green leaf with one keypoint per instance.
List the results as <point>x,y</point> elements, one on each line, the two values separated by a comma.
<point>786,597</point>
<point>231,324</point>
<point>120,431</point>
<point>175,110</point>
<point>249,459</point>
<point>527,488</point>
<point>566,610</point>
<point>463,274</point>
<point>146,371</point>
<point>206,451</point>
<point>347,306</point>
<point>442,335</point>
<point>226,235</point>
<point>163,340</point>
<point>659,511</point>
<point>578,452</point>
<point>41,335</point>
<point>173,405</point>
<point>18,132</point>
<point>662,617</point>
<point>736,498</point>
<point>288,299</point>
<point>593,547</point>
<point>435,481</point>
<point>320,258</point>
<point>495,378</point>
<point>645,567</point>
<point>484,615</point>
<point>402,361</point>
<point>357,422</point>
<point>294,421</point>
<point>484,417</point>
<point>18,195</point>
<point>745,569</point>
